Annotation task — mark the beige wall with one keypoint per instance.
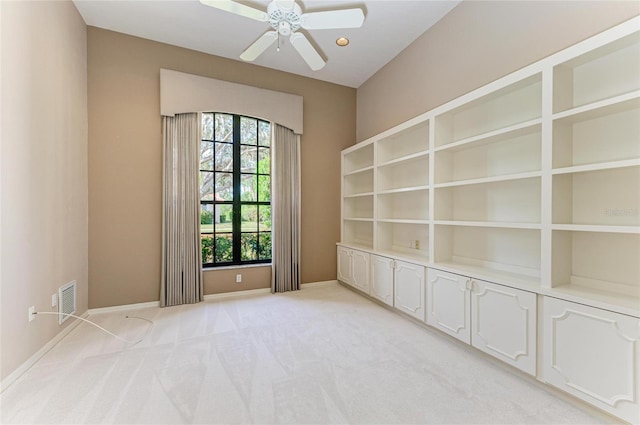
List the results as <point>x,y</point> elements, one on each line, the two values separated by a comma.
<point>476,43</point>
<point>224,280</point>
<point>125,165</point>
<point>44,170</point>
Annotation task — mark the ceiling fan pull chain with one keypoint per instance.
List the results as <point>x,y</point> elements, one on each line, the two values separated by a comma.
<point>278,47</point>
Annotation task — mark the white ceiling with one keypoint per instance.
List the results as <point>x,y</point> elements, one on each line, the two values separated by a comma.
<point>389,27</point>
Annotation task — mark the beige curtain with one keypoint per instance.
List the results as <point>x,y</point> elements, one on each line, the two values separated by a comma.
<point>286,210</point>
<point>181,257</point>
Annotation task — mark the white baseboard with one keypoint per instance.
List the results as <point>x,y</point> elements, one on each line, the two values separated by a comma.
<point>24,367</point>
<point>206,298</point>
<point>125,307</point>
<point>322,283</point>
<point>237,294</point>
<point>263,290</point>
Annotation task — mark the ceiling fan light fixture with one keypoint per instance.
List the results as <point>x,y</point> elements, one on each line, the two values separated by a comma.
<point>342,41</point>
<point>284,28</point>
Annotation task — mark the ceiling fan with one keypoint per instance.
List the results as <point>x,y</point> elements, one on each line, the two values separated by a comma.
<point>286,18</point>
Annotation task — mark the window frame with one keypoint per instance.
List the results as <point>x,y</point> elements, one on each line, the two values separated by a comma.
<point>237,203</point>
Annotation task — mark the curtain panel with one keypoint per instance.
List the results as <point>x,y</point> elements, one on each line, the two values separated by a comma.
<point>286,210</point>
<point>181,281</point>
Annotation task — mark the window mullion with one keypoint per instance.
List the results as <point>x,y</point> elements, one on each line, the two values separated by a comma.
<point>237,218</point>
<point>215,190</point>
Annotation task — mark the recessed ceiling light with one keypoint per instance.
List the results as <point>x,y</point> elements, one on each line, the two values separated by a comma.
<point>342,41</point>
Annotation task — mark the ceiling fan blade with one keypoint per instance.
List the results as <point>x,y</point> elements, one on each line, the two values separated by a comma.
<point>349,18</point>
<point>259,46</point>
<point>307,51</point>
<point>238,9</point>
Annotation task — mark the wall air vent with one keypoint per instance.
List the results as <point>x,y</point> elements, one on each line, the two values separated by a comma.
<point>67,303</point>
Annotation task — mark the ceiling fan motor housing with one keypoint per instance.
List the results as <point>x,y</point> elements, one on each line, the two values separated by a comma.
<point>282,20</point>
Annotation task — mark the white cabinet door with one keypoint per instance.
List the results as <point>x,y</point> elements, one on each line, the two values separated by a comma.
<point>360,270</point>
<point>345,266</point>
<point>409,289</point>
<point>593,354</point>
<point>448,305</point>
<point>382,279</point>
<point>503,324</point>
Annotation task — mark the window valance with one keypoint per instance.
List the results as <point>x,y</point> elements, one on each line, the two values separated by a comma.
<point>181,92</point>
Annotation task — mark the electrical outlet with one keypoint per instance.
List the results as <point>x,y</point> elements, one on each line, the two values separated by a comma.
<point>32,313</point>
<point>54,300</point>
<point>417,245</point>
<point>238,278</point>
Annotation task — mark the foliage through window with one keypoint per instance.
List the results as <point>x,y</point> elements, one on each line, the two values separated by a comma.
<point>235,190</point>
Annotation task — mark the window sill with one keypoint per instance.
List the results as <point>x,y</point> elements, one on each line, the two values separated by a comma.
<point>243,266</point>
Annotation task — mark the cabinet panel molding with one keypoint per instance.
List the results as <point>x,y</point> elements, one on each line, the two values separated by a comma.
<point>593,354</point>
<point>409,289</point>
<point>353,268</point>
<point>504,324</point>
<point>448,303</point>
<point>360,267</point>
<point>345,269</point>
<point>382,279</point>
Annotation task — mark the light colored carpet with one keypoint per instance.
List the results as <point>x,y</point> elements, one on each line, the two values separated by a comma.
<point>322,355</point>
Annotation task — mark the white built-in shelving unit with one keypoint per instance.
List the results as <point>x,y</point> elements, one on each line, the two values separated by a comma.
<point>386,194</point>
<point>523,192</point>
<point>358,197</point>
<point>488,172</point>
<point>596,174</point>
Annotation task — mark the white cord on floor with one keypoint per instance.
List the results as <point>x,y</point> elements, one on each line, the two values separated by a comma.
<point>103,329</point>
